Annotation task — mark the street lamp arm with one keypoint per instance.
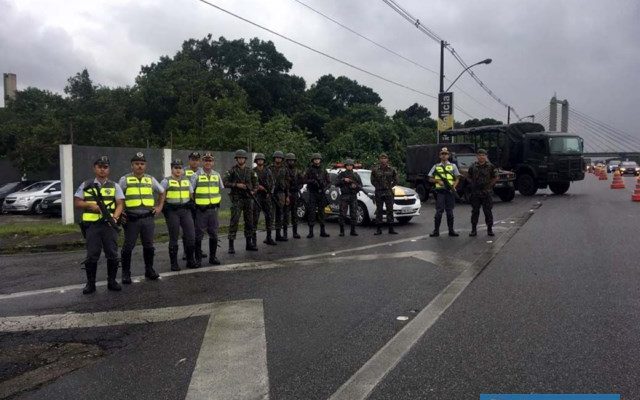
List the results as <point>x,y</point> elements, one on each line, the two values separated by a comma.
<point>487,61</point>
<point>527,116</point>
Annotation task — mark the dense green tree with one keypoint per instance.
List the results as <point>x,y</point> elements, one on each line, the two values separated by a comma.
<point>473,123</point>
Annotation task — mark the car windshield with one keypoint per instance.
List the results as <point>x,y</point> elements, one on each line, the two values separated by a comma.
<point>465,161</point>
<point>365,176</point>
<point>36,186</point>
<point>9,187</point>
<point>565,145</point>
<point>629,164</point>
<point>614,162</point>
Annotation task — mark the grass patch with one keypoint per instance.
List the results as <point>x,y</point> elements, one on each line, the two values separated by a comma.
<point>35,229</point>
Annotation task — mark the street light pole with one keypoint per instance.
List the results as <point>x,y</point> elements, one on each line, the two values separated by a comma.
<point>486,61</point>
<point>533,118</point>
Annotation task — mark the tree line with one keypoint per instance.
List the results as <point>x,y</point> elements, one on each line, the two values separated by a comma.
<point>220,95</point>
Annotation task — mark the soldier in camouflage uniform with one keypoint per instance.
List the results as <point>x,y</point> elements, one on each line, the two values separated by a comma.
<point>317,180</point>
<point>263,195</point>
<point>384,177</point>
<point>481,178</point>
<point>243,183</point>
<point>296,181</point>
<point>350,184</point>
<point>280,194</point>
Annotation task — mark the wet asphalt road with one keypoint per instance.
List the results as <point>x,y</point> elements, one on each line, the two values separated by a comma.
<point>555,310</point>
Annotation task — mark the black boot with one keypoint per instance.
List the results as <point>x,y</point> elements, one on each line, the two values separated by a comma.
<point>91,269</point>
<point>173,257</point>
<point>112,272</point>
<point>490,231</point>
<point>126,268</point>
<point>436,228</point>
<point>310,235</point>
<point>269,239</point>
<point>279,237</point>
<point>213,248</point>
<point>191,262</point>
<point>149,272</point>
<point>198,254</point>
<point>353,231</point>
<point>294,229</point>
<point>231,249</point>
<point>323,233</point>
<point>341,230</point>
<point>474,231</point>
<point>391,230</point>
<point>285,234</point>
<point>452,232</point>
<point>378,230</point>
<point>184,249</point>
<point>250,246</point>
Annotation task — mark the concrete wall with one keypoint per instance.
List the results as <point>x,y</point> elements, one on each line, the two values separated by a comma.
<point>10,173</point>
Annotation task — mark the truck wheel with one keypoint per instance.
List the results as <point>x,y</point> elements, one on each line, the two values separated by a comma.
<point>423,193</point>
<point>559,187</point>
<point>527,186</point>
<point>506,195</point>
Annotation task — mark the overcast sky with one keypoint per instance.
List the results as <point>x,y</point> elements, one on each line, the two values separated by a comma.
<point>586,51</point>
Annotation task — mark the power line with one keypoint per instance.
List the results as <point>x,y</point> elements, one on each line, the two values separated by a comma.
<point>597,130</point>
<point>318,51</point>
<point>621,134</point>
<point>417,64</point>
<point>416,22</point>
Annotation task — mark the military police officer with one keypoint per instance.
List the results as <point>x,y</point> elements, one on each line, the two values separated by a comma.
<point>207,185</point>
<point>100,231</point>
<point>296,180</point>
<point>384,177</point>
<point>481,178</point>
<point>446,177</point>
<point>243,182</point>
<point>350,184</point>
<point>140,210</point>
<point>317,180</point>
<point>194,167</point>
<point>263,195</point>
<point>280,194</point>
<point>177,213</point>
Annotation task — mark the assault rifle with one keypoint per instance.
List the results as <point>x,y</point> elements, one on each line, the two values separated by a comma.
<point>105,214</point>
<point>447,185</point>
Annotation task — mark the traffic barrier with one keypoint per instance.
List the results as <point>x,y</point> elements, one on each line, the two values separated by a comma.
<point>603,175</point>
<point>618,182</point>
<point>636,193</point>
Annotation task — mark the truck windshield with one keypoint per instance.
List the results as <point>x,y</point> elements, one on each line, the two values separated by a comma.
<point>565,145</point>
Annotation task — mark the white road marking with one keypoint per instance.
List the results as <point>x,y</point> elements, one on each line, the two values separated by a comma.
<point>232,362</point>
<point>363,382</point>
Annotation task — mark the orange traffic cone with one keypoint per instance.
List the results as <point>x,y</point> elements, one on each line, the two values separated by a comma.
<point>603,175</point>
<point>636,193</point>
<point>617,182</point>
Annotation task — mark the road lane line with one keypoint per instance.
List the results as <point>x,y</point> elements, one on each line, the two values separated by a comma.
<point>360,385</point>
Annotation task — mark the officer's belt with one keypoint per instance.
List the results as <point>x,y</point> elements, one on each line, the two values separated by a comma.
<point>208,207</point>
<point>136,216</point>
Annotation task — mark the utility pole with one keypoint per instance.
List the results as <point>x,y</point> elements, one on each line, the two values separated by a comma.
<point>442,46</point>
<point>508,115</point>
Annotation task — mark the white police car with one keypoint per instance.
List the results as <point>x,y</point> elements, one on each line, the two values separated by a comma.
<point>406,203</point>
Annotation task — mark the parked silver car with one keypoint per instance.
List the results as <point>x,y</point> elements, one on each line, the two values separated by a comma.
<point>29,198</point>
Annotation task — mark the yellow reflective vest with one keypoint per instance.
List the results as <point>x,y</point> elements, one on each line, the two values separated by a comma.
<point>108,191</point>
<point>139,193</point>
<point>446,172</point>
<point>178,191</point>
<point>207,190</point>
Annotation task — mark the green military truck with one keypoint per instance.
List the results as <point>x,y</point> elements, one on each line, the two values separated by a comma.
<point>539,159</point>
<point>420,159</point>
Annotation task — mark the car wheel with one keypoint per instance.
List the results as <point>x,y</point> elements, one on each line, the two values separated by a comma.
<point>301,210</point>
<point>362,216</point>
<point>403,220</point>
<point>36,209</point>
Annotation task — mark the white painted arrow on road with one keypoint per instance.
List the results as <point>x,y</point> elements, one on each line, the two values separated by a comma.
<point>232,363</point>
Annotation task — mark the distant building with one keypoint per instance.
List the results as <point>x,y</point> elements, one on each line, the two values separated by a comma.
<point>10,86</point>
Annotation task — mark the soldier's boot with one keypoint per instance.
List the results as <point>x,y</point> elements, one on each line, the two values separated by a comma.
<point>294,229</point>
<point>198,254</point>
<point>353,230</point>
<point>285,234</point>
<point>378,230</point>
<point>391,230</point>
<point>149,272</point>
<point>184,249</point>
<point>91,269</point>
<point>232,250</point>
<point>126,268</point>
<point>213,248</point>
<point>436,229</point>
<point>279,237</point>
<point>112,272</point>
<point>269,239</point>
<point>452,232</point>
<point>254,239</point>
<point>341,230</point>
<point>191,262</point>
<point>310,235</point>
<point>474,231</point>
<point>490,230</point>
<point>323,233</point>
<point>173,257</point>
<point>250,246</point>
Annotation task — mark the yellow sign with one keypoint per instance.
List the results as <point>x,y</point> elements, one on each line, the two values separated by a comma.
<point>446,123</point>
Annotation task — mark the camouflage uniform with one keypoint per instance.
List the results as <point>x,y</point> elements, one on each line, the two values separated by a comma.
<point>265,179</point>
<point>241,202</point>
<point>384,179</point>
<point>280,193</point>
<point>349,198</point>
<point>296,181</point>
<point>479,179</point>
<point>317,180</point>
